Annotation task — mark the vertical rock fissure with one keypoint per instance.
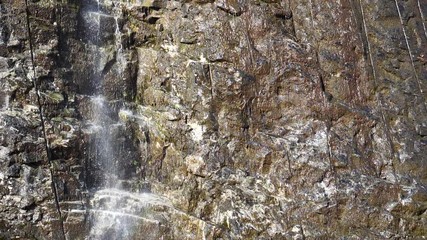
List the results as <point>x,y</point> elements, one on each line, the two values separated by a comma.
<point>42,120</point>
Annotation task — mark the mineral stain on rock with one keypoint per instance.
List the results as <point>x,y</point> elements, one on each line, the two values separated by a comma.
<point>225,119</point>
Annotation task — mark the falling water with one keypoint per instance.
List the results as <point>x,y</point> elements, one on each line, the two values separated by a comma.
<point>119,214</point>
<point>6,102</point>
<point>6,97</point>
<point>98,20</point>
<point>101,124</point>
<point>114,212</point>
<point>1,26</point>
<point>120,56</point>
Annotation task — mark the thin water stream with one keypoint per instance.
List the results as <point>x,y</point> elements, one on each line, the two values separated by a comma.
<point>115,212</point>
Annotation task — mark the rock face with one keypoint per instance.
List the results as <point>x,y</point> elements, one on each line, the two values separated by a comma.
<point>224,119</point>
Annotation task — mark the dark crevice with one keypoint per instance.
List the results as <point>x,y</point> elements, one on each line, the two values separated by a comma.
<point>198,175</point>
<point>108,66</point>
<point>162,158</point>
<point>152,19</point>
<point>322,84</point>
<point>33,164</point>
<point>286,15</point>
<point>32,206</point>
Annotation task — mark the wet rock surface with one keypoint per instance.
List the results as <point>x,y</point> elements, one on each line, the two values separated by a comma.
<point>231,119</point>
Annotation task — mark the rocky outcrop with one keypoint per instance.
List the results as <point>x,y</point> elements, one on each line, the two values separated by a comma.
<point>225,119</point>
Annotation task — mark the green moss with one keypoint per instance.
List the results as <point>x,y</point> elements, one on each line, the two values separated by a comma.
<point>56,97</point>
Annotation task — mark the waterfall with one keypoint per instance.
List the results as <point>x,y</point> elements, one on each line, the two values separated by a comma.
<point>104,124</point>
<point>104,153</point>
<point>115,211</point>
<point>120,56</point>
<point>107,216</point>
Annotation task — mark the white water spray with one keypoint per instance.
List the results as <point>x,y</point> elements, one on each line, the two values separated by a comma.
<point>114,212</point>
<point>5,102</point>
<point>118,214</point>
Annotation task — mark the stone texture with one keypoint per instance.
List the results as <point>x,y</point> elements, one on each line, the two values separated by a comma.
<point>251,119</point>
